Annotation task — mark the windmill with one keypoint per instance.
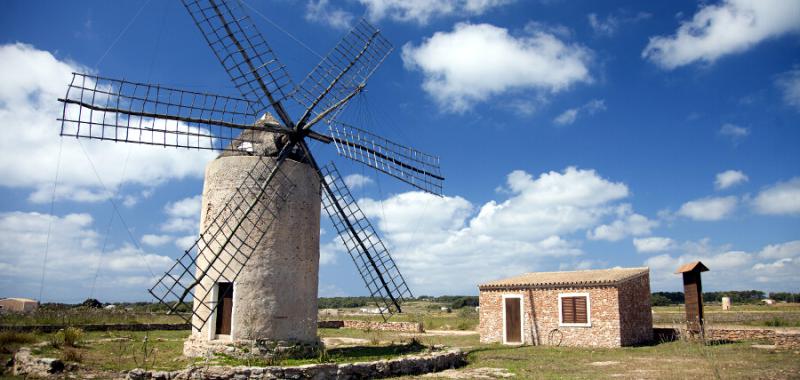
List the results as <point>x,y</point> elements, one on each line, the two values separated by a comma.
<point>263,167</point>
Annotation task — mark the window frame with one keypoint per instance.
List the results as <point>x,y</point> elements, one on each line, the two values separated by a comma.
<point>561,322</point>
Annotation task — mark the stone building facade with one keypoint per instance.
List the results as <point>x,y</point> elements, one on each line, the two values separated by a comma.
<point>591,308</point>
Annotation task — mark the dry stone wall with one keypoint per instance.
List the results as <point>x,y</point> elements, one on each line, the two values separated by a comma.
<point>409,365</point>
<point>635,312</point>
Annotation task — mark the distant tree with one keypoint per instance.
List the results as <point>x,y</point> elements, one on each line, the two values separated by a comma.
<point>659,300</point>
<point>786,297</point>
<point>91,303</point>
<point>674,298</point>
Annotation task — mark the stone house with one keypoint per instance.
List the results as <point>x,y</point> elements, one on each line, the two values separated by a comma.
<point>18,304</point>
<point>588,308</point>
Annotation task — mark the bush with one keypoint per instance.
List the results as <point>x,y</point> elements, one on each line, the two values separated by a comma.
<point>12,337</point>
<point>69,337</point>
<point>71,355</point>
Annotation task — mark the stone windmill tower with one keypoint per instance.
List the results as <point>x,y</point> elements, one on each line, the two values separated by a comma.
<point>252,274</point>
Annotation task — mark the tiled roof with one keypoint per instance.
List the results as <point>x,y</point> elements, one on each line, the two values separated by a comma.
<point>573,278</point>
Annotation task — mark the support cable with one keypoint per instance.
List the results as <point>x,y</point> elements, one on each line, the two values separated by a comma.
<point>50,223</point>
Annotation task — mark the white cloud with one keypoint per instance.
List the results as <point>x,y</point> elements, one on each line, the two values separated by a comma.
<point>608,26</point>
<point>30,83</point>
<point>653,244</point>
<point>602,27</point>
<point>74,254</point>
<point>357,181</point>
<point>474,62</point>
<point>774,268</point>
<point>422,11</point>
<point>321,11</point>
<point>448,245</point>
<point>729,178</point>
<point>183,215</point>
<point>782,198</point>
<point>156,240</point>
<point>627,224</point>
<point>716,30</point>
<point>734,132</point>
<point>709,209</point>
<point>185,242</point>
<point>569,116</point>
<point>786,250</point>
<point>789,83</point>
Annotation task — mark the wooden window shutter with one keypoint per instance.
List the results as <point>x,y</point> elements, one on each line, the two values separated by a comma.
<point>573,310</point>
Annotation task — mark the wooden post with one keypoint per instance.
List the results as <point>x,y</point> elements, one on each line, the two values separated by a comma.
<point>693,295</point>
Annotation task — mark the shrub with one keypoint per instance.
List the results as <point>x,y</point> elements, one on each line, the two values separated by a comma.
<point>659,300</point>
<point>14,337</point>
<point>71,355</point>
<point>72,336</point>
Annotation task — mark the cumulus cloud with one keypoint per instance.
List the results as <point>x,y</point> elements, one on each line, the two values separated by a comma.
<point>156,240</point>
<point>729,178</point>
<point>775,267</point>
<point>183,215</point>
<point>717,30</point>
<point>321,11</point>
<point>709,209</point>
<point>570,115</point>
<point>422,11</point>
<point>653,244</point>
<point>30,83</point>
<point>782,198</point>
<point>357,181</point>
<point>789,83</point>
<point>448,244</point>
<point>627,224</point>
<point>74,255</point>
<point>474,62</point>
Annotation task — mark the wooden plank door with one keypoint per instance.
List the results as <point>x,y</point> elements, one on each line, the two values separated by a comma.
<point>513,321</point>
<point>224,307</point>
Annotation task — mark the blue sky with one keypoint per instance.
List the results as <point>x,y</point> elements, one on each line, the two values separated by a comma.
<point>572,135</point>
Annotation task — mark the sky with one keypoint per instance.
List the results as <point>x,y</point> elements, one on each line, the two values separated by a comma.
<point>572,135</point>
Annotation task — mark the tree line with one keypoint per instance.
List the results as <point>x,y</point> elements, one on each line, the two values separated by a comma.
<point>736,296</point>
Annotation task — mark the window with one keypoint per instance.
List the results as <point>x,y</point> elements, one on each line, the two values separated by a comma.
<point>573,309</point>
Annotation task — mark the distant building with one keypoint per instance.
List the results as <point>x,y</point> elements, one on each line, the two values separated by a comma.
<point>18,304</point>
<point>590,308</point>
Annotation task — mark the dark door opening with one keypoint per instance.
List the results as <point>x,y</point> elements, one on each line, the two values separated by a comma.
<point>224,307</point>
<point>513,321</point>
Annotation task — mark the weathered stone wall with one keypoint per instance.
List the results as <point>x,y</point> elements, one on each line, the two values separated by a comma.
<point>413,327</point>
<point>635,312</point>
<point>604,314</point>
<point>409,365</point>
<point>275,295</point>
<point>780,338</point>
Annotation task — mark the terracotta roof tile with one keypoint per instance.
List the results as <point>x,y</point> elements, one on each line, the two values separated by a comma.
<point>573,278</point>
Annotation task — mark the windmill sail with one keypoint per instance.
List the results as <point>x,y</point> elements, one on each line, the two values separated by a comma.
<point>224,248</point>
<point>118,110</point>
<point>381,276</point>
<point>342,72</point>
<point>409,165</point>
<point>244,53</point>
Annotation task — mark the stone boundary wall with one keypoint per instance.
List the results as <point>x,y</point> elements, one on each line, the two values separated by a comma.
<point>104,327</point>
<point>781,339</point>
<point>412,327</point>
<point>26,364</point>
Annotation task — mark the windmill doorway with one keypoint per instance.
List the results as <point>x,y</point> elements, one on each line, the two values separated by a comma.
<point>512,319</point>
<point>224,308</point>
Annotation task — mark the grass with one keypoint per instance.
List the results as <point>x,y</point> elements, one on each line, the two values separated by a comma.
<point>672,360</point>
<point>84,316</point>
